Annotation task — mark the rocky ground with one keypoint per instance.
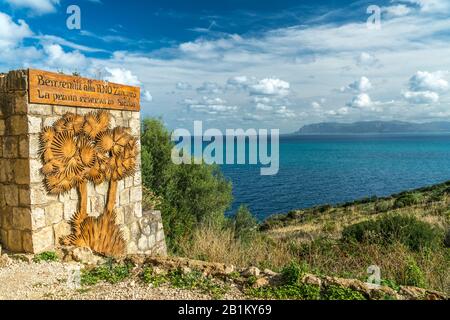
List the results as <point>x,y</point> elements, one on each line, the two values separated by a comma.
<point>23,277</point>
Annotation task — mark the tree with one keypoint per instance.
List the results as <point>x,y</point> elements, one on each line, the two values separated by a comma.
<point>191,194</point>
<point>245,224</point>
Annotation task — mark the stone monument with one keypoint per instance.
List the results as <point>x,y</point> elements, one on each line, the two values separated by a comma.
<point>70,166</point>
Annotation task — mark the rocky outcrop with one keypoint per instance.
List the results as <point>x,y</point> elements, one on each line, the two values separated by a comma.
<point>269,277</point>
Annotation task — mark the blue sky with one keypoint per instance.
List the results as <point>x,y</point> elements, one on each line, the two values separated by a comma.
<point>247,64</point>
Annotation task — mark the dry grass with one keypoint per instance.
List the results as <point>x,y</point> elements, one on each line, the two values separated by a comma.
<point>219,245</point>
<point>326,257</point>
<point>312,237</point>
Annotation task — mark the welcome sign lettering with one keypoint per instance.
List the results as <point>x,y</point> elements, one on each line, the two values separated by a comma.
<point>58,89</point>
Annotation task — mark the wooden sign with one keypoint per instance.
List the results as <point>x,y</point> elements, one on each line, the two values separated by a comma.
<point>58,89</point>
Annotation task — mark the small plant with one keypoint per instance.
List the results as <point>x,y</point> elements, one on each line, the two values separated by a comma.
<point>191,280</point>
<point>341,293</point>
<point>286,292</point>
<point>252,280</point>
<point>149,277</point>
<point>46,257</point>
<point>391,284</point>
<point>408,199</point>
<point>389,229</point>
<point>292,274</point>
<point>414,276</point>
<point>109,273</point>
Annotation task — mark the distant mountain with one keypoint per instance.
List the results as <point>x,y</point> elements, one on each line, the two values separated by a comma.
<point>367,127</point>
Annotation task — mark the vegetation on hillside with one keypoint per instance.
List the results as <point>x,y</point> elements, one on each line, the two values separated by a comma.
<point>406,235</point>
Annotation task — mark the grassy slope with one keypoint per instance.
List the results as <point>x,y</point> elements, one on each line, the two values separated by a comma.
<point>430,204</point>
<point>311,237</point>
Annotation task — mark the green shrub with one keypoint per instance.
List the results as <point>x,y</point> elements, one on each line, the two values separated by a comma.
<point>190,280</point>
<point>408,199</point>
<point>189,194</point>
<point>414,276</point>
<point>447,239</point>
<point>286,292</point>
<point>292,274</point>
<point>46,256</point>
<point>389,229</point>
<point>108,272</point>
<point>245,224</point>
<point>341,293</point>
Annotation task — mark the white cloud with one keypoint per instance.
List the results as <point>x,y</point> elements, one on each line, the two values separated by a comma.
<point>361,85</point>
<point>58,58</point>
<point>429,6</point>
<point>284,112</point>
<point>397,10</point>
<point>122,76</point>
<point>37,6</point>
<point>209,88</point>
<point>271,86</point>
<point>147,96</point>
<point>429,81</point>
<point>316,105</point>
<point>362,100</point>
<point>183,86</point>
<point>11,33</point>
<point>421,97</point>
<point>366,59</point>
<point>263,107</point>
<point>210,106</point>
<point>340,112</point>
<point>240,82</point>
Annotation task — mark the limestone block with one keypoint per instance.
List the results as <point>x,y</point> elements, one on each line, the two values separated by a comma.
<point>6,218</point>
<point>38,218</point>
<point>49,121</point>
<point>102,189</point>
<point>22,219</point>
<point>129,181</point>
<point>40,109</point>
<point>15,240</point>
<point>43,240</point>
<point>54,213</point>
<point>120,216</point>
<point>33,143</point>
<point>21,104</point>
<point>27,242</point>
<point>18,125</point>
<point>151,241</point>
<point>138,209</point>
<point>24,150</point>
<point>22,171</point>
<point>70,208</point>
<point>10,147</point>
<point>132,248</point>
<point>24,196</point>
<point>97,205</point>
<point>34,124</point>
<point>136,194</point>
<point>35,171</point>
<point>124,197</point>
<point>143,243</point>
<point>11,195</point>
<point>138,179</point>
<point>126,233</point>
<point>2,127</point>
<point>61,110</point>
<point>61,230</point>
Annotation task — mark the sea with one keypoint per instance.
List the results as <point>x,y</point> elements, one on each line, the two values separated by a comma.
<point>319,170</point>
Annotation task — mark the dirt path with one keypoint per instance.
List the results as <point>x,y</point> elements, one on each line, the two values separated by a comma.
<point>20,280</point>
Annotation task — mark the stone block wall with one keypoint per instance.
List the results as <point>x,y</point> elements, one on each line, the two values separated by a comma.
<point>31,220</point>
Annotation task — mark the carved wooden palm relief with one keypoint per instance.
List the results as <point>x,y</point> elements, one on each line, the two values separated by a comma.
<point>78,150</point>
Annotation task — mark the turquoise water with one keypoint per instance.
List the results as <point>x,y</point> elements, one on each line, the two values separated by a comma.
<point>316,170</point>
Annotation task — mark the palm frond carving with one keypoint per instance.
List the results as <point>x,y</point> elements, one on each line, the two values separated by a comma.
<point>79,150</point>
